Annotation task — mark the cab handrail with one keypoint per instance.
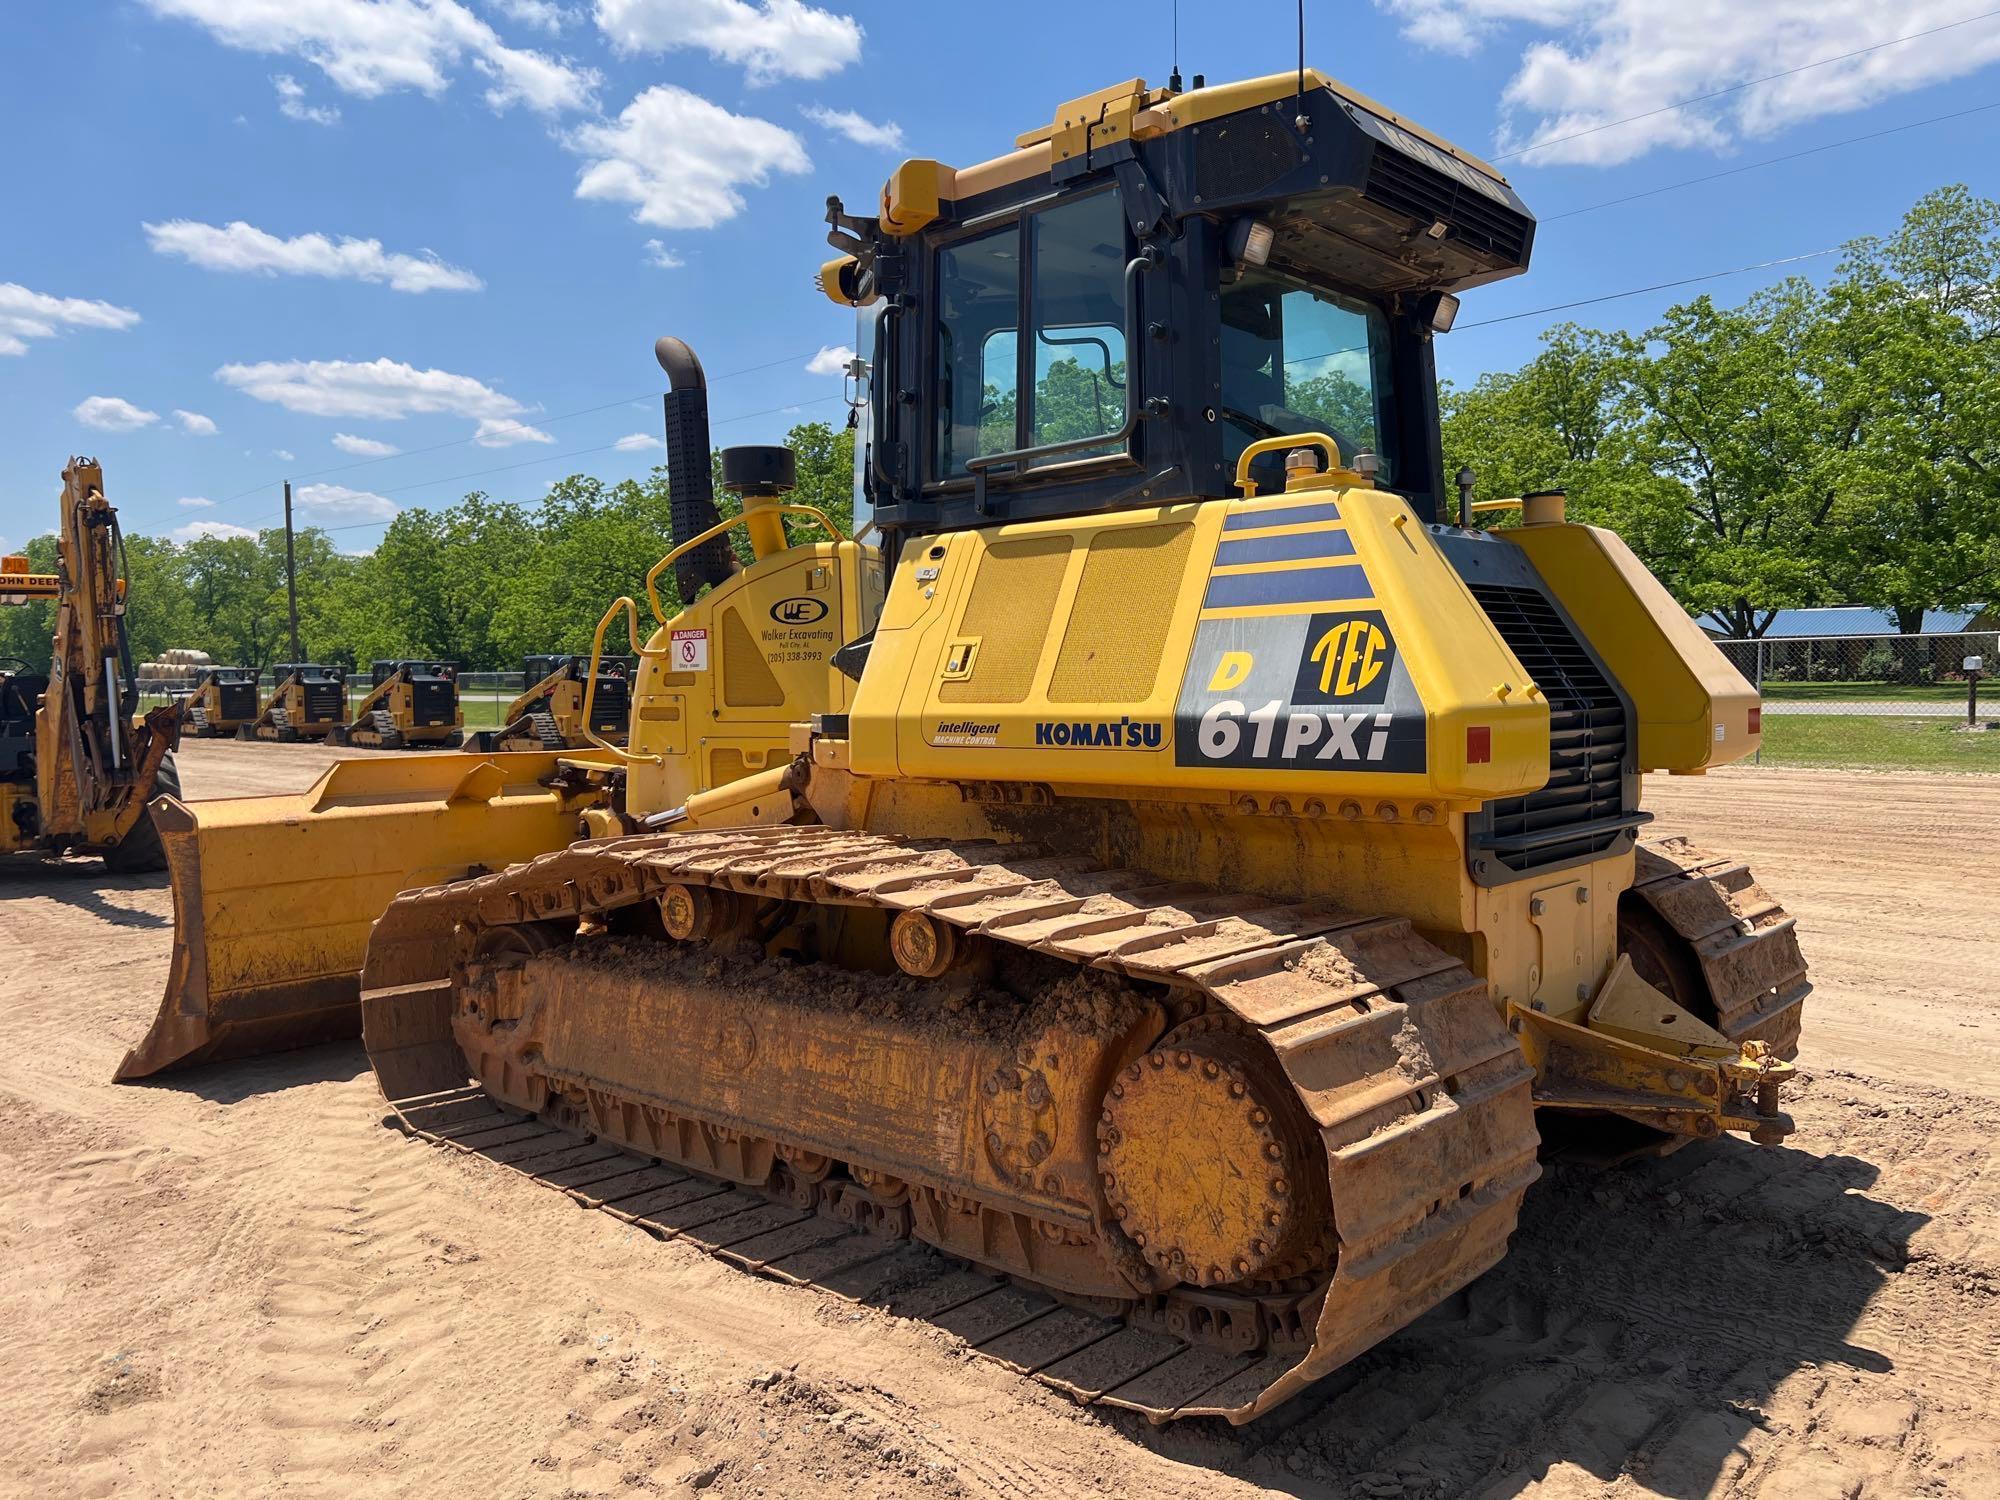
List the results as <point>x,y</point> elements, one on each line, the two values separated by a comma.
<point>786,508</point>
<point>624,602</point>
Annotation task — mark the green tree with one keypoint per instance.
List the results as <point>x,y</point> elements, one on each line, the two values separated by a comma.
<point>27,631</point>
<point>1917,325</point>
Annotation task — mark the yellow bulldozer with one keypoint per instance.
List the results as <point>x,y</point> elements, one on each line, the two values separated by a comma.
<point>548,713</point>
<point>1178,862</point>
<point>409,704</point>
<point>77,767</point>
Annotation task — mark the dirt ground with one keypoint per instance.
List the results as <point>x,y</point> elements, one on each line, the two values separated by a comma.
<point>237,1282</point>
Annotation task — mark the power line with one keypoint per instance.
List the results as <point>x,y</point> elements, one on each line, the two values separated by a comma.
<point>1853,140</point>
<point>1737,88</point>
<point>1658,286</point>
<point>583,411</point>
<point>1637,291</point>
<point>550,458</point>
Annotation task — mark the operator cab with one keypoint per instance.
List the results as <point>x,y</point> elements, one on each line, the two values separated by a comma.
<point>538,669</point>
<point>411,671</point>
<point>1111,314</point>
<point>307,671</point>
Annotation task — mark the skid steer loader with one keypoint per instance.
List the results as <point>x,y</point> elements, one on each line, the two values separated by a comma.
<point>548,715</point>
<point>77,768</point>
<point>409,704</point>
<point>1173,865</point>
<point>223,702</point>
<point>308,702</point>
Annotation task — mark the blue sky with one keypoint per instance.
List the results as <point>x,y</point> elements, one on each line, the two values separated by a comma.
<point>322,228</point>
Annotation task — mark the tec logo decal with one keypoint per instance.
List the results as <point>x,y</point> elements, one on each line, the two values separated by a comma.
<point>1349,660</point>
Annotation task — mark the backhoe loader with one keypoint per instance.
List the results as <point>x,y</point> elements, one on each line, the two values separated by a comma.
<point>77,769</point>
<point>1176,864</point>
<point>548,714</point>
<point>409,703</point>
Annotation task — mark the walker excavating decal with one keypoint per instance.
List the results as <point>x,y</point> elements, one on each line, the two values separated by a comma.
<point>1299,692</point>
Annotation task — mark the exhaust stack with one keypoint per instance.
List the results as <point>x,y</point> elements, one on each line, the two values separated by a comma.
<point>691,507</point>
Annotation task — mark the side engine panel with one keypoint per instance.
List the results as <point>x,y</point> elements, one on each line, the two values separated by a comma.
<point>1311,644</point>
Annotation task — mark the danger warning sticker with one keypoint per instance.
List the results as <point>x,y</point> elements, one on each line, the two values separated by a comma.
<point>690,650</point>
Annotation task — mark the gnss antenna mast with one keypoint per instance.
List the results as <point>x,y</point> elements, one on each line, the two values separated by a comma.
<point>1174,78</point>
<point>1304,121</point>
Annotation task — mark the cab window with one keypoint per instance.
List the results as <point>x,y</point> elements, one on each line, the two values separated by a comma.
<point>979,295</point>
<point>1078,305</point>
<point>1296,359</point>
<point>1072,301</point>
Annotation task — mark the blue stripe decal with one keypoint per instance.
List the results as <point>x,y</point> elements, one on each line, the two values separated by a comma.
<point>1263,549</point>
<point>1296,586</point>
<point>1288,515</point>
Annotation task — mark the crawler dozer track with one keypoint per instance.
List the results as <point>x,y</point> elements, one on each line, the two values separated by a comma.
<point>1701,929</point>
<point>1216,1145</point>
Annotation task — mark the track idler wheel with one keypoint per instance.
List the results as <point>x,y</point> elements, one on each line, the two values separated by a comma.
<point>694,913</point>
<point>924,947</point>
<point>1208,1163</point>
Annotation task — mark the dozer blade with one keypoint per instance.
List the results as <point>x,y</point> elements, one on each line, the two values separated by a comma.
<point>274,896</point>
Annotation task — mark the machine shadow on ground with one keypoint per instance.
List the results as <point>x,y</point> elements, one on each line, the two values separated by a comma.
<point>1643,1318</point>
<point>86,886</point>
<point>236,1080</point>
<point>1640,1326</point>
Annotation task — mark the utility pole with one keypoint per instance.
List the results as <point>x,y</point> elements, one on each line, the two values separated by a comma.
<point>291,574</point>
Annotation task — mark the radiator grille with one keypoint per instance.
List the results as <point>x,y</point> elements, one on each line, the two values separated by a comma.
<point>609,704</point>
<point>1411,188</point>
<point>434,702</point>
<point>238,699</point>
<point>1587,735</point>
<point>326,701</point>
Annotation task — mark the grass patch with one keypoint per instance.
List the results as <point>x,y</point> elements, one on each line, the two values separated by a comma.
<point>1844,692</point>
<point>1856,742</point>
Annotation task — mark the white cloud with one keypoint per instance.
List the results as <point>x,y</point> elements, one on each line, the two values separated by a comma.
<point>372,47</point>
<point>292,103</point>
<point>380,389</point>
<point>283,455</point>
<point>195,502</point>
<point>680,160</point>
<point>28,315</point>
<point>337,503</point>
<point>363,447</point>
<point>222,530</point>
<point>113,414</point>
<point>496,434</point>
<point>858,128</point>
<point>1586,63</point>
<point>638,442</point>
<point>194,423</point>
<point>660,256</point>
<point>832,359</point>
<point>543,14</point>
<point>243,247</point>
<point>769,40</point>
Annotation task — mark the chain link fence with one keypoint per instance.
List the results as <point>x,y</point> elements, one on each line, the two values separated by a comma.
<point>1891,701</point>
